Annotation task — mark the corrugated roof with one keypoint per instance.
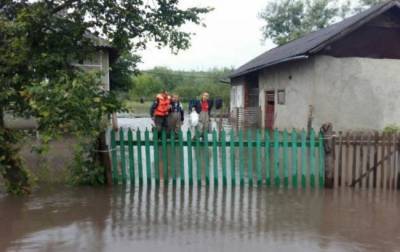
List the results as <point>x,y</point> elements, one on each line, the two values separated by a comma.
<point>312,42</point>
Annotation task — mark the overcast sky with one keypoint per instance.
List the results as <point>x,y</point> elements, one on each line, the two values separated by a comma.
<point>232,37</point>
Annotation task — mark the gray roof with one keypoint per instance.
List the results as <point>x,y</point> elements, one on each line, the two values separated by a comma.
<point>312,42</point>
<point>101,43</point>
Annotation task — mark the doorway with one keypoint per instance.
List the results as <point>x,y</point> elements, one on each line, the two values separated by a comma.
<point>269,109</point>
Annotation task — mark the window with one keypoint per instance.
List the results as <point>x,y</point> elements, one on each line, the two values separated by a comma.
<point>281,97</point>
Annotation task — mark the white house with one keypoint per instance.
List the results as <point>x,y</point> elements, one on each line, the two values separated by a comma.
<point>347,74</point>
<point>100,61</point>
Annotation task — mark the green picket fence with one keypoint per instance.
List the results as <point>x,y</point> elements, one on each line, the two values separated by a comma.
<point>253,157</point>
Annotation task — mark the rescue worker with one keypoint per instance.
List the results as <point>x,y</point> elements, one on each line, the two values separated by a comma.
<point>203,108</point>
<point>176,115</point>
<point>159,111</point>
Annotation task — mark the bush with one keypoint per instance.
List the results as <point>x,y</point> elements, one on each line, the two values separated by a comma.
<point>391,129</point>
<point>84,169</point>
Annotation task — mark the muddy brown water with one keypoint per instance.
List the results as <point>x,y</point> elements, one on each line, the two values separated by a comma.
<point>199,219</point>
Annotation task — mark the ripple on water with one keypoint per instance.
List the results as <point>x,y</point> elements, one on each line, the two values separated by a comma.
<point>201,219</point>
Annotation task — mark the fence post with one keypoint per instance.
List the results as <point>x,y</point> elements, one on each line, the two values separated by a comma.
<point>114,157</point>
<point>237,119</point>
<point>327,133</point>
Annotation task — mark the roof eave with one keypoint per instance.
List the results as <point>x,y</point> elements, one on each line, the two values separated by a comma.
<point>251,70</point>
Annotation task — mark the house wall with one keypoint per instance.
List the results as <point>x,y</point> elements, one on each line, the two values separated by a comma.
<point>98,62</point>
<point>296,79</point>
<point>352,93</point>
<point>237,94</point>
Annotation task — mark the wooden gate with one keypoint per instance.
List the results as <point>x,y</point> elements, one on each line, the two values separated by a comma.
<point>366,160</point>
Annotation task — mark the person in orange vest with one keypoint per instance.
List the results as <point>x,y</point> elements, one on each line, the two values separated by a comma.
<point>160,109</point>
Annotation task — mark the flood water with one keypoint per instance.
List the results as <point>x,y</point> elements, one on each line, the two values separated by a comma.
<point>200,219</point>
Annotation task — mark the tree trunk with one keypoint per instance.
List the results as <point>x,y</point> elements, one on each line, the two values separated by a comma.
<point>104,157</point>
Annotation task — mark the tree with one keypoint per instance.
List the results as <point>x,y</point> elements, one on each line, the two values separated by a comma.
<point>39,41</point>
<point>146,86</point>
<point>122,71</point>
<point>288,20</point>
<point>186,84</point>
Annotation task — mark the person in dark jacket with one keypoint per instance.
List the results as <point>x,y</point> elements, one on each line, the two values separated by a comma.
<point>176,115</point>
<point>203,108</point>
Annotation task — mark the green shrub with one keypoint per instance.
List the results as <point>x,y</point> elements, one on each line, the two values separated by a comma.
<point>84,170</point>
<point>392,129</point>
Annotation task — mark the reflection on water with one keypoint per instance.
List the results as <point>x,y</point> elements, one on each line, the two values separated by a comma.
<point>200,219</point>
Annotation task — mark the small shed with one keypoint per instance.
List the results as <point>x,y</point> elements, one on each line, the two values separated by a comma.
<point>346,74</point>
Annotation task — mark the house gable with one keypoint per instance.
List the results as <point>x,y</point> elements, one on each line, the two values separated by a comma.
<point>377,39</point>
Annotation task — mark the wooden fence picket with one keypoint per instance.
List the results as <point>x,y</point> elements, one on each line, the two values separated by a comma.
<point>215,156</point>
<point>258,158</point>
<point>321,171</point>
<point>173,157</point>
<point>294,159</point>
<point>303,159</point>
<point>198,158</point>
<point>139,155</point>
<point>190,157</point>
<point>232,158</point>
<point>250,157</point>
<point>122,154</point>
<point>267,158</point>
<point>114,159</point>
<point>206,157</point>
<point>285,159</point>
<point>276,159</point>
<point>156,157</point>
<point>147,153</point>
<point>223,157</point>
<point>241,159</point>
<point>131,157</point>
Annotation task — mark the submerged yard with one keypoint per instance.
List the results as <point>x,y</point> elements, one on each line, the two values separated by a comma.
<point>200,219</point>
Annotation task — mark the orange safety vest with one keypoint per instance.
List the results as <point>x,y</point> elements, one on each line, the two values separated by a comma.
<point>163,105</point>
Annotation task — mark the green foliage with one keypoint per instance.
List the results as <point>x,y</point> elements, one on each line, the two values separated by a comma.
<point>122,71</point>
<point>392,129</point>
<point>146,85</point>
<point>288,20</point>
<point>40,41</point>
<point>84,170</point>
<point>77,105</point>
<point>186,84</point>
<point>17,181</point>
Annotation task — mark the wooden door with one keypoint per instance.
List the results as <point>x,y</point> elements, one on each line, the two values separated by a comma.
<point>269,109</point>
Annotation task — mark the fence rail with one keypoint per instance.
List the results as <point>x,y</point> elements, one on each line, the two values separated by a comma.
<point>288,159</point>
